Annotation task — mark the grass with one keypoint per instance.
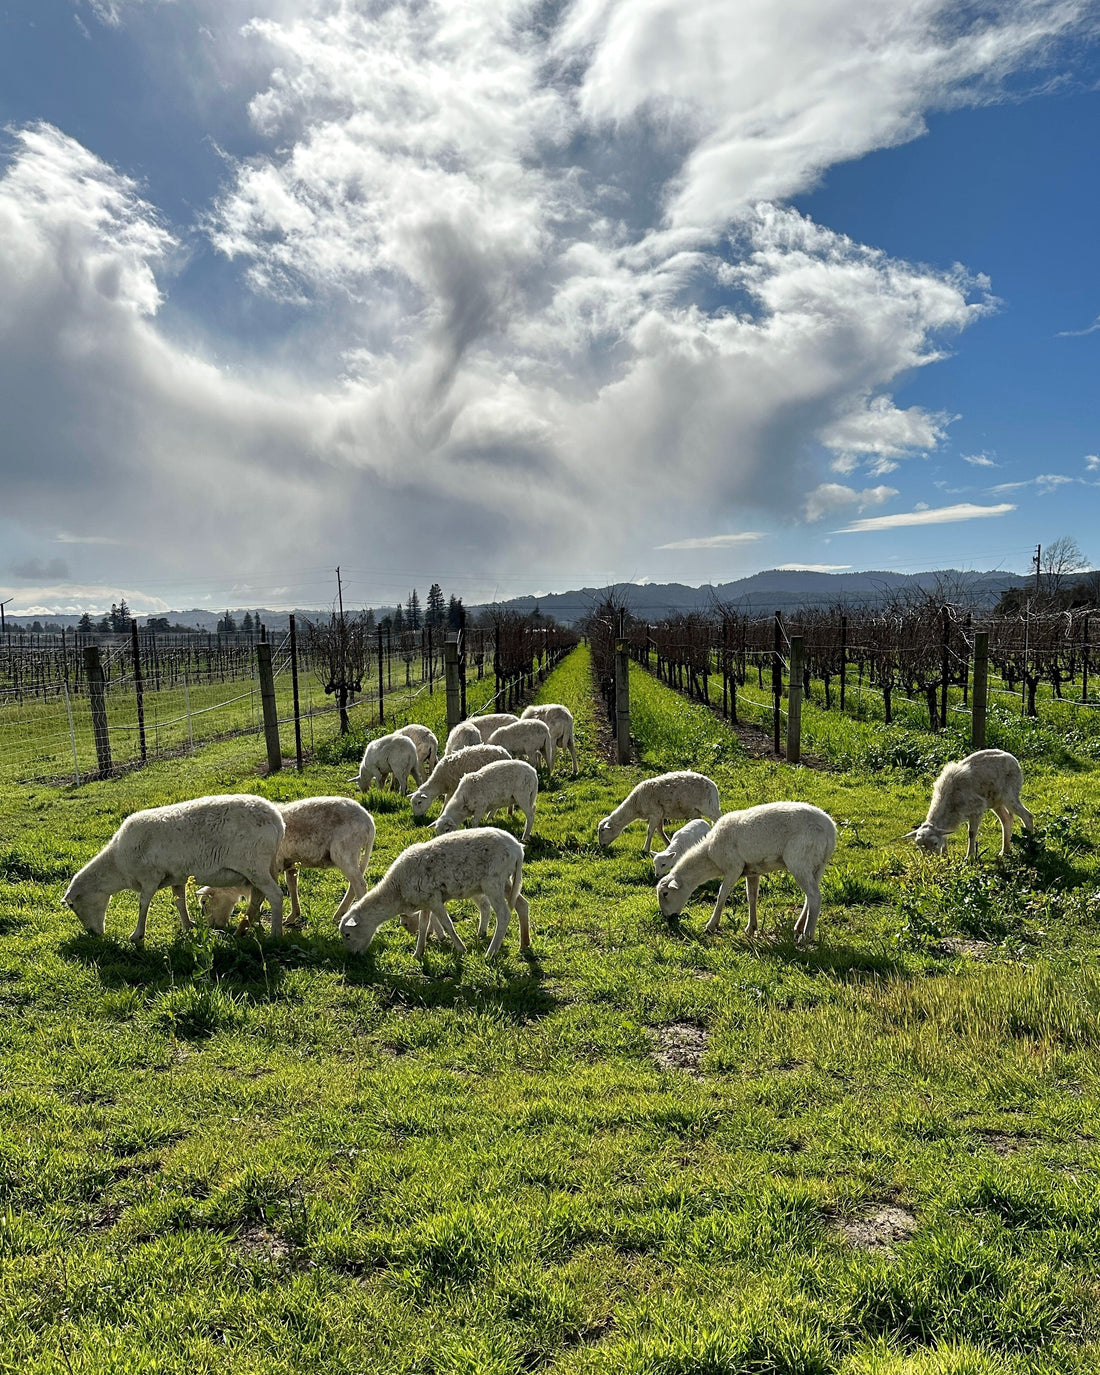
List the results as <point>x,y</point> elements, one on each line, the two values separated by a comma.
<point>258,1156</point>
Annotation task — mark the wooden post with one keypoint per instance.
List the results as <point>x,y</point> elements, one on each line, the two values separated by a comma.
<point>138,686</point>
<point>945,664</point>
<point>1085,661</point>
<point>622,701</point>
<point>794,703</point>
<point>269,706</point>
<point>93,673</point>
<point>777,684</point>
<point>297,701</point>
<point>978,699</point>
<point>462,664</point>
<point>381,690</point>
<point>450,673</point>
<point>843,658</point>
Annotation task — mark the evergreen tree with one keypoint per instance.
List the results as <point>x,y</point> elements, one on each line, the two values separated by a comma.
<point>399,622</point>
<point>368,620</point>
<point>435,613</point>
<point>412,611</point>
<point>455,611</point>
<point>246,624</point>
<point>103,625</point>
<point>227,625</point>
<point>85,623</point>
<point>120,617</point>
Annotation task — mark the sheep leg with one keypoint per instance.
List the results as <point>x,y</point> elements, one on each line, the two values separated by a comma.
<point>1004,816</point>
<point>440,915</point>
<point>1024,815</point>
<point>723,895</point>
<point>650,833</point>
<point>752,891</point>
<point>138,936</point>
<point>357,887</point>
<point>573,752</point>
<point>483,910</point>
<point>528,822</point>
<point>291,872</point>
<point>499,899</point>
<point>523,911</point>
<point>266,886</point>
<point>973,824</point>
<point>806,926</point>
<point>179,892</point>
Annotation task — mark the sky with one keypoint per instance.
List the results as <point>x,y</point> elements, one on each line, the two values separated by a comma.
<point>523,295</point>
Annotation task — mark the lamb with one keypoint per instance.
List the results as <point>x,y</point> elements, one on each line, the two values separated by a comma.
<point>427,746</point>
<point>508,783</point>
<point>680,844</point>
<point>759,840</point>
<point>988,780</point>
<point>491,722</point>
<point>483,863</point>
<point>321,833</point>
<point>462,737</point>
<point>390,756</point>
<point>220,840</point>
<point>527,740</point>
<point>670,797</point>
<point>560,721</point>
<point>450,769</point>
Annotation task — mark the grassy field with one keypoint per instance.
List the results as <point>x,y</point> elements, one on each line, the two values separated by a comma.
<point>640,1150</point>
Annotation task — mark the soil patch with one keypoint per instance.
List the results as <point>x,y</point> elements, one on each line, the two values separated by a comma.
<point>261,1243</point>
<point>680,1045</point>
<point>1005,1143</point>
<point>957,945</point>
<point>880,1228</point>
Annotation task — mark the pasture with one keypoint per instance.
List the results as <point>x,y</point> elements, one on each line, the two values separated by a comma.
<point>641,1149</point>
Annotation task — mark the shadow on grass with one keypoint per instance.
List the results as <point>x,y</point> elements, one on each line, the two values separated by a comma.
<point>521,996</point>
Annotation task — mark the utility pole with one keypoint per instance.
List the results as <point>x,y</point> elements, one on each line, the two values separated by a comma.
<point>3,624</point>
<point>1038,555</point>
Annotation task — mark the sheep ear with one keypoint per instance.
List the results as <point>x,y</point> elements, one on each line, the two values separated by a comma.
<point>907,836</point>
<point>673,883</point>
<point>348,924</point>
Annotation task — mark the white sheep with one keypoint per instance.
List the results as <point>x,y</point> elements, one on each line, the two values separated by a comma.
<point>390,756</point>
<point>526,740</point>
<point>482,863</point>
<point>759,840</point>
<point>427,746</point>
<point>680,844</point>
<point>560,721</point>
<point>507,783</point>
<point>462,737</point>
<point>987,780</point>
<point>450,769</point>
<point>491,722</point>
<point>321,833</point>
<point>676,796</point>
<point>219,840</point>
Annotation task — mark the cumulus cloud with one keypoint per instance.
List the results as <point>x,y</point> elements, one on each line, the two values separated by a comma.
<point>1092,462</point>
<point>979,460</point>
<point>834,496</point>
<point>925,515</point>
<point>563,308</point>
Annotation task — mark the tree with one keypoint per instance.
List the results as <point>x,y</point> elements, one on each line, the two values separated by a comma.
<point>455,612</point>
<point>85,623</point>
<point>436,611</point>
<point>120,618</point>
<point>399,622</point>
<point>412,611</point>
<point>340,649</point>
<point>157,623</point>
<point>103,625</point>
<point>1060,560</point>
<point>368,620</point>
<point>246,624</point>
<point>227,625</point>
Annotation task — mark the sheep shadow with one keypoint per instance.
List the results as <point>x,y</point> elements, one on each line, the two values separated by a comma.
<point>241,966</point>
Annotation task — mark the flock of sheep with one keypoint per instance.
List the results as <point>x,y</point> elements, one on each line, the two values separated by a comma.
<point>239,845</point>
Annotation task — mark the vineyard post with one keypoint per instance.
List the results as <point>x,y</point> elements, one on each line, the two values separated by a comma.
<point>450,670</point>
<point>843,658</point>
<point>622,700</point>
<point>72,733</point>
<point>269,707</point>
<point>138,687</point>
<point>794,703</point>
<point>777,683</point>
<point>297,699</point>
<point>945,662</point>
<point>381,690</point>
<point>462,664</point>
<point>979,695</point>
<point>93,672</point>
<point>1085,660</point>
<point>187,709</point>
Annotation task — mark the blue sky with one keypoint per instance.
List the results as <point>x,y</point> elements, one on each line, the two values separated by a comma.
<point>517,297</point>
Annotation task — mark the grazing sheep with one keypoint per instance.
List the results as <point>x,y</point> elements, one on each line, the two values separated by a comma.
<point>217,840</point>
<point>462,737</point>
<point>560,721</point>
<point>676,796</point>
<point>390,756</point>
<point>526,740</point>
<point>427,746</point>
<point>493,721</point>
<point>508,783</point>
<point>986,781</point>
<point>680,844</point>
<point>452,767</point>
<point>321,833</point>
<point>485,862</point>
<point>759,840</point>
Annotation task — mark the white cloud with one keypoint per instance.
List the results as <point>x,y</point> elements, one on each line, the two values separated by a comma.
<point>939,515</point>
<point>714,541</point>
<point>812,567</point>
<point>1044,484</point>
<point>73,599</point>
<point>1079,333</point>
<point>978,460</point>
<point>830,497</point>
<point>1092,462</point>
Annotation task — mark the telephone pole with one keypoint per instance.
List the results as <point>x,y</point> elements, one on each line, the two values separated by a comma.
<point>3,623</point>
<point>1038,556</point>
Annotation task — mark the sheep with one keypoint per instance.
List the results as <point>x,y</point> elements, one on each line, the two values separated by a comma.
<point>390,756</point>
<point>759,840</point>
<point>452,767</point>
<point>491,722</point>
<point>482,863</point>
<point>560,721</point>
<point>218,840</point>
<point>462,737</point>
<point>680,844</point>
<point>321,833</point>
<point>427,746</point>
<point>988,780</point>
<point>670,797</point>
<point>508,783</point>
<point>526,739</point>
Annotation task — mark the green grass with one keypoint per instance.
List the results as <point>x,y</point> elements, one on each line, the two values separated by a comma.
<point>257,1156</point>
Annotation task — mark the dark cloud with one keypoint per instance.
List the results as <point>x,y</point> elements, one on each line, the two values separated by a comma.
<point>41,570</point>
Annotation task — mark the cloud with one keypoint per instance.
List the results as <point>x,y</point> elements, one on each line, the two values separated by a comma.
<point>1079,333</point>
<point>38,570</point>
<point>940,515</point>
<point>834,496</point>
<point>978,460</point>
<point>1092,462</point>
<point>714,541</point>
<point>1044,484</point>
<point>812,567</point>
<point>62,537</point>
<point>73,599</point>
